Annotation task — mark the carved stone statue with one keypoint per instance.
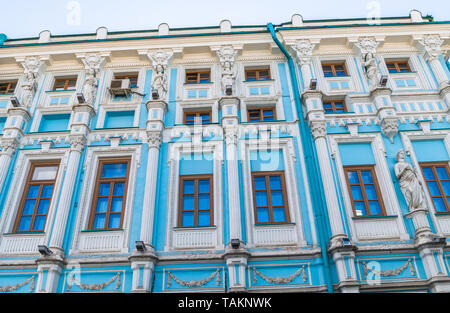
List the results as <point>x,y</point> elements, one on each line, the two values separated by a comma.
<point>160,59</point>
<point>370,66</point>
<point>409,182</point>
<point>227,56</point>
<point>92,64</point>
<point>31,68</point>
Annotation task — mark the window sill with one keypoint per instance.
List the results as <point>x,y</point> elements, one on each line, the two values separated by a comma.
<point>274,224</point>
<point>193,84</point>
<point>25,233</point>
<point>194,227</point>
<point>258,81</point>
<point>442,213</point>
<point>373,216</point>
<point>100,230</point>
<point>65,90</point>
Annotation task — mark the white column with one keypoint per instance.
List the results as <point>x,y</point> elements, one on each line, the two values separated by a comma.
<point>9,146</point>
<point>431,45</point>
<point>76,146</point>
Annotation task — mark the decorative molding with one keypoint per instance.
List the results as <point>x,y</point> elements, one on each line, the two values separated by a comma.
<point>303,49</point>
<point>318,129</point>
<point>280,280</point>
<point>390,273</point>
<point>77,142</point>
<point>160,60</point>
<point>389,127</point>
<point>193,283</point>
<point>154,139</point>
<point>227,57</point>
<point>9,288</point>
<point>432,46</point>
<point>8,145</point>
<point>73,280</point>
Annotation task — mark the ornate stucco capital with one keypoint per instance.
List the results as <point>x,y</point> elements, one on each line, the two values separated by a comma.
<point>9,146</point>
<point>231,135</point>
<point>77,142</point>
<point>367,45</point>
<point>154,139</point>
<point>432,46</point>
<point>303,51</point>
<point>318,129</point>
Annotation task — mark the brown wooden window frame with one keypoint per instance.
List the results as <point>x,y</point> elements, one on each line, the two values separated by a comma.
<point>131,77</point>
<point>66,81</point>
<point>30,182</point>
<point>198,78</point>
<point>258,73</point>
<point>433,165</point>
<point>197,119</point>
<point>333,106</point>
<point>361,184</point>
<point>11,87</point>
<point>196,178</point>
<point>261,112</point>
<point>333,68</point>
<point>99,180</point>
<point>267,175</point>
<point>396,65</point>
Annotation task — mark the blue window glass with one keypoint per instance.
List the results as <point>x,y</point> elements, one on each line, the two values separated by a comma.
<point>28,208</point>
<point>203,202</point>
<point>260,183</point>
<point>262,215</point>
<point>446,187</point>
<point>261,198</point>
<point>203,185</point>
<point>442,173</point>
<point>116,204</point>
<point>364,195</point>
<point>104,189</point>
<point>188,202</point>
<point>434,189</point>
<point>39,223</point>
<point>269,198</point>
<point>357,193</point>
<point>374,207</point>
<point>99,221</point>
<point>33,192</point>
<point>438,183</point>
<point>428,173</point>
<point>119,189</point>
<point>203,218</point>
<point>367,177</point>
<point>189,186</point>
<point>360,209</point>
<point>188,218</point>
<point>275,182</point>
<point>279,214</point>
<point>277,198</point>
<point>102,205</point>
<point>47,191</point>
<point>114,220</point>
<point>114,170</point>
<point>353,177</point>
<point>371,193</point>
<point>43,206</point>
<point>439,205</point>
<point>196,208</point>
<point>24,224</point>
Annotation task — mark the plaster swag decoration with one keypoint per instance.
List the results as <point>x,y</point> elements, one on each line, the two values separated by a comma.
<point>280,280</point>
<point>303,49</point>
<point>194,283</point>
<point>160,59</point>
<point>9,288</point>
<point>368,46</point>
<point>73,280</point>
<point>227,57</point>
<point>389,273</point>
<point>31,67</point>
<point>92,64</point>
<point>432,45</point>
<point>410,184</point>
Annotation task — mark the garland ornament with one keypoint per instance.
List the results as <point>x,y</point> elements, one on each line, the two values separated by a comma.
<point>280,280</point>
<point>389,273</point>
<point>73,280</point>
<point>194,283</point>
<point>9,288</point>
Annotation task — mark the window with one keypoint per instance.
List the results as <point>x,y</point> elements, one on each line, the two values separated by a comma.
<point>132,77</point>
<point>334,69</point>
<point>364,192</point>
<point>261,115</point>
<point>198,77</point>
<point>257,74</point>
<point>65,83</point>
<point>398,66</point>
<point>36,198</point>
<point>7,87</point>
<point>191,118</point>
<point>269,197</point>
<point>438,182</point>
<point>110,193</point>
<point>334,106</point>
<point>196,201</point>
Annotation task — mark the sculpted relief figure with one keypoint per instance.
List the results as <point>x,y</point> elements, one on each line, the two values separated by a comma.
<point>92,64</point>
<point>409,182</point>
<point>370,65</point>
<point>31,66</point>
<point>160,60</point>
<point>227,56</point>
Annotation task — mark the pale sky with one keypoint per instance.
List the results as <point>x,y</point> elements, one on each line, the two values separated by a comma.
<point>27,18</point>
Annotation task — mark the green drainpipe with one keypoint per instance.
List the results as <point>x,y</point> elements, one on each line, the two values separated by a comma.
<point>312,166</point>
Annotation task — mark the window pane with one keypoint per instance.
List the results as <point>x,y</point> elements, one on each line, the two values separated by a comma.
<point>328,74</point>
<point>278,214</point>
<point>203,218</point>
<point>188,218</point>
<point>442,173</point>
<point>434,189</point>
<point>371,192</point>
<point>119,189</point>
<point>374,207</point>
<point>353,177</point>
<point>261,198</point>
<point>203,202</point>
<point>367,177</point>
<point>46,191</point>
<point>102,205</point>
<point>99,221</point>
<point>104,189</point>
<point>275,182</point>
<point>439,204</point>
<point>45,172</point>
<point>262,215</point>
<point>428,173</point>
<point>356,193</point>
<point>39,223</point>
<point>114,221</point>
<point>188,202</point>
<point>116,204</point>
<point>203,185</point>
<point>188,186</point>
<point>43,206</point>
<point>114,170</point>
<point>446,187</point>
<point>360,208</point>
<point>260,183</point>
<point>33,192</point>
<point>28,208</point>
<point>24,224</point>
<point>277,197</point>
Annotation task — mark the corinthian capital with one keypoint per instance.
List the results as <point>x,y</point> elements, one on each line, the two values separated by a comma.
<point>432,46</point>
<point>318,129</point>
<point>231,135</point>
<point>8,145</point>
<point>303,49</point>
<point>77,143</point>
<point>154,139</point>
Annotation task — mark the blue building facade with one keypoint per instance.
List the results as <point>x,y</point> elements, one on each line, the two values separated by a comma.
<point>307,156</point>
